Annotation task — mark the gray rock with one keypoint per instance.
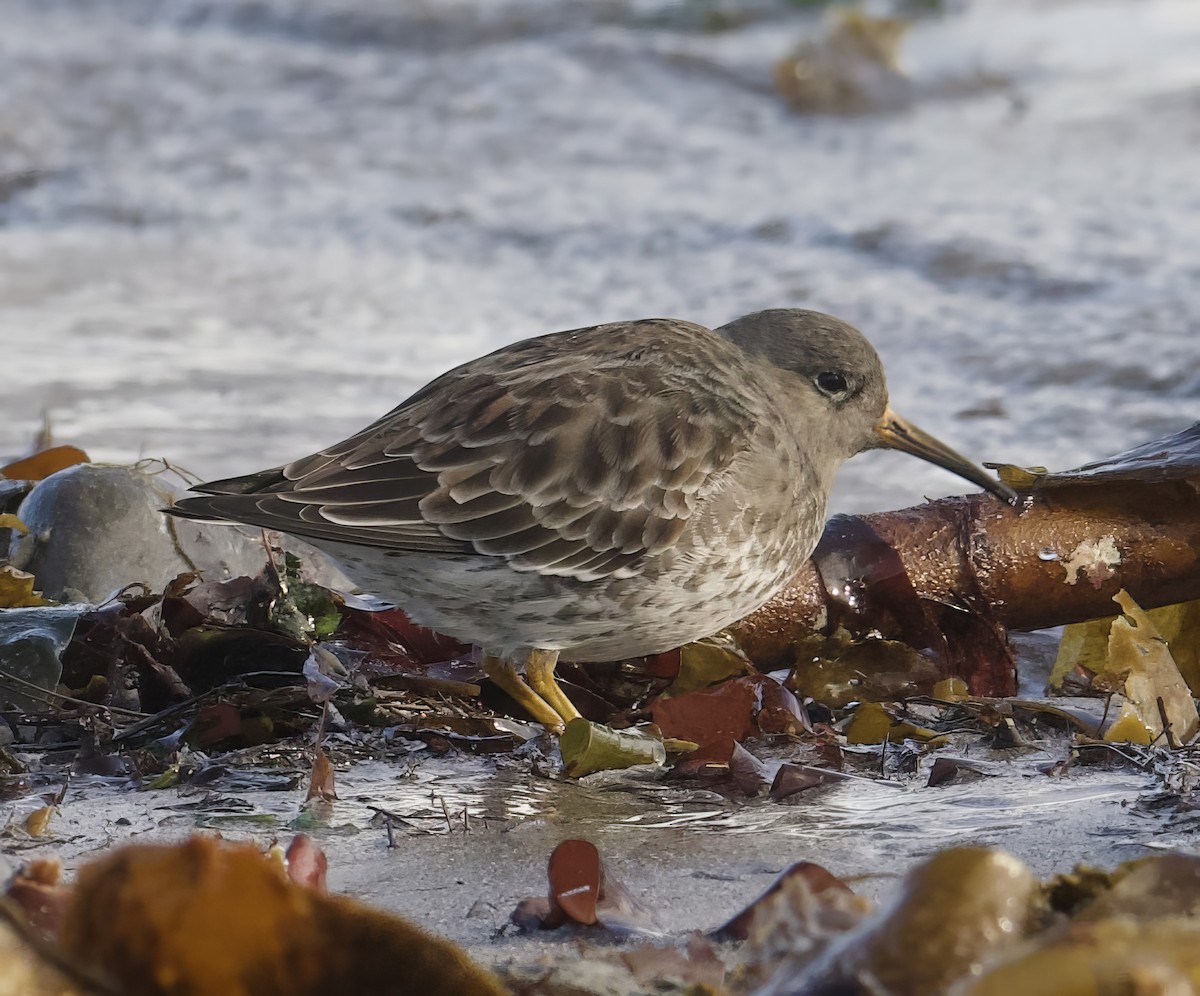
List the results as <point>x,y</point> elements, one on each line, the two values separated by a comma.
<point>93,529</point>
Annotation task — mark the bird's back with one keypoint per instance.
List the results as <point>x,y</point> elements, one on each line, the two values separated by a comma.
<point>573,454</point>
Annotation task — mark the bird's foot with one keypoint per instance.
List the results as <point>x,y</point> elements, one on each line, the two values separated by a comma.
<point>505,676</point>
<point>539,672</point>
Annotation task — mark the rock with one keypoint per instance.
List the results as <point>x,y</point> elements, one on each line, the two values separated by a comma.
<point>94,529</point>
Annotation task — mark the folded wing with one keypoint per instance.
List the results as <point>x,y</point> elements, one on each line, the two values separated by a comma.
<point>576,455</point>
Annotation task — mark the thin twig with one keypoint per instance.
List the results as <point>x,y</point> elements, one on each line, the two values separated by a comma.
<point>39,690</point>
<point>393,817</point>
<point>1166,723</point>
<point>146,723</point>
<point>62,793</point>
<point>321,722</point>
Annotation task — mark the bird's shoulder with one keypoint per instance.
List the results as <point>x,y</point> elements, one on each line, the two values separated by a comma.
<point>605,366</point>
<point>653,390</point>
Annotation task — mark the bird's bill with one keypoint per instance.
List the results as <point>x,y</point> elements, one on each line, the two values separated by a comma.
<point>898,433</point>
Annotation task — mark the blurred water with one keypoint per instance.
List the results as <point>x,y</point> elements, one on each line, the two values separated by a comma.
<point>255,226</point>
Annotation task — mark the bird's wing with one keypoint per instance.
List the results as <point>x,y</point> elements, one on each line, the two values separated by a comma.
<point>574,455</point>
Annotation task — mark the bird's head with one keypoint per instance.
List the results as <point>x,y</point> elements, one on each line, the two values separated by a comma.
<point>836,387</point>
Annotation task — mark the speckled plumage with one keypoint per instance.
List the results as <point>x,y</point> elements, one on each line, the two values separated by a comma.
<point>604,492</point>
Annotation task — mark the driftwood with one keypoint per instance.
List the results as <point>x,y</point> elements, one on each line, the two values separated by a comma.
<point>953,570</point>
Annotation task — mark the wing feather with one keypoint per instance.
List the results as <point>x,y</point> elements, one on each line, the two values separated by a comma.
<point>576,455</point>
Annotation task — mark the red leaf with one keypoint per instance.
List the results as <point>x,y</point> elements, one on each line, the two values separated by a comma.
<point>392,634</point>
<point>793,778</point>
<point>221,602</point>
<point>215,723</point>
<point>320,785</point>
<point>582,894</point>
<point>665,665</point>
<point>306,863</point>
<point>780,711</point>
<point>576,879</point>
<point>711,715</point>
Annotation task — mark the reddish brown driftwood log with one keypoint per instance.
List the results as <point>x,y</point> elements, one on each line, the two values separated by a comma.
<point>1132,522</point>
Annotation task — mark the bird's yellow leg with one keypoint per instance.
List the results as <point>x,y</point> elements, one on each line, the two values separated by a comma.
<point>539,672</point>
<point>505,677</point>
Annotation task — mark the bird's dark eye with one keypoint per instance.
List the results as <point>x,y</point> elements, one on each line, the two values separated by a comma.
<point>831,382</point>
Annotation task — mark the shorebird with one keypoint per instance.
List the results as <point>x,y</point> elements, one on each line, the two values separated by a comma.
<point>595,494</point>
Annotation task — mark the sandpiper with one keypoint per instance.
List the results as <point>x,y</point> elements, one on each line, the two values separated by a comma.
<point>595,494</point>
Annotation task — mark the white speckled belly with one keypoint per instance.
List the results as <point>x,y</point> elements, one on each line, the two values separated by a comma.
<point>682,596</point>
